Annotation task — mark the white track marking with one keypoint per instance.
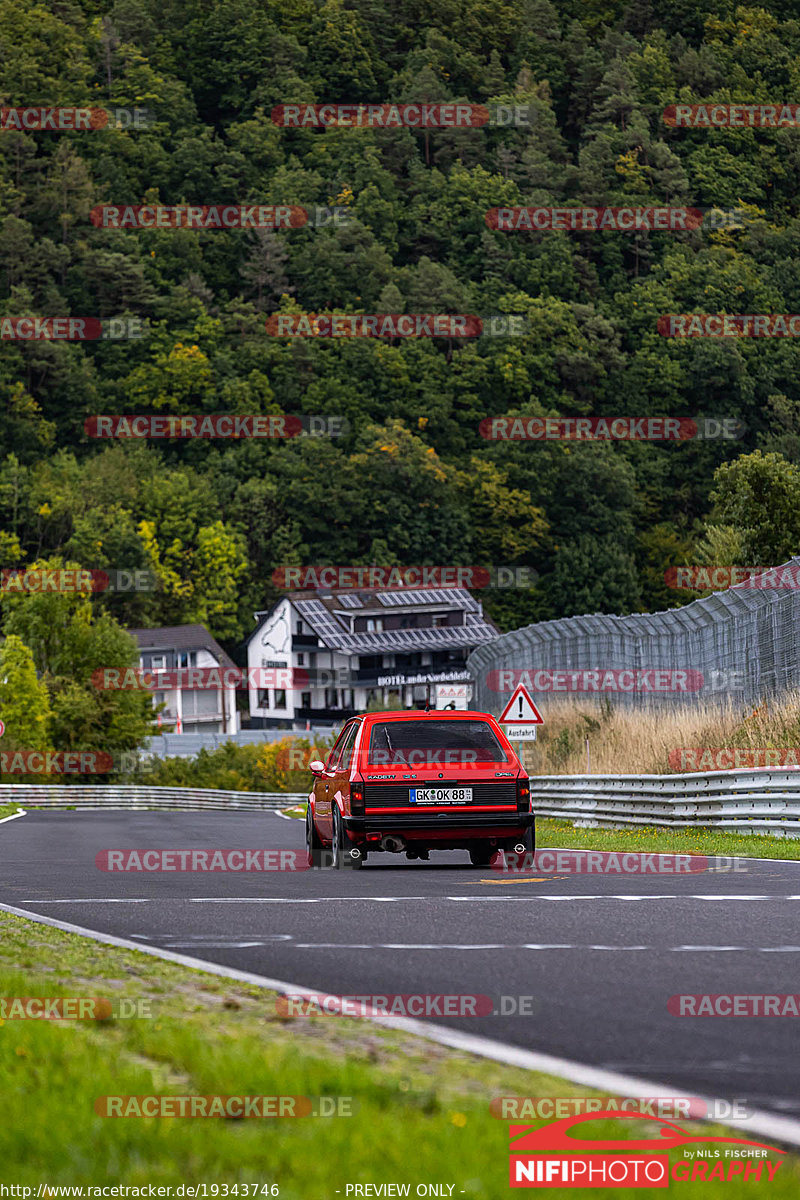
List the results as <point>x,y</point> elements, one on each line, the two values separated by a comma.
<point>493,899</point>
<point>227,946</point>
<point>461,946</point>
<point>767,1124</point>
<point>220,899</point>
<point>13,816</point>
<point>625,896</point>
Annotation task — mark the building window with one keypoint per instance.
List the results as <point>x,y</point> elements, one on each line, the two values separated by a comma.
<point>305,699</point>
<point>158,662</point>
<point>263,699</point>
<point>301,660</point>
<point>439,619</point>
<point>186,658</point>
<point>298,628</point>
<point>201,704</point>
<point>374,624</point>
<point>280,698</point>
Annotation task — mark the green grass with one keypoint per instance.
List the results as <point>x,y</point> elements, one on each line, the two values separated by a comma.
<point>6,810</point>
<point>422,1110</point>
<point>645,839</point>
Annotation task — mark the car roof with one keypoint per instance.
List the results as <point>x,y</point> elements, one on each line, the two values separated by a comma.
<point>416,714</point>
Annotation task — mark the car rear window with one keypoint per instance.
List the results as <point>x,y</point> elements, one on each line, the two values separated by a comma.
<point>427,743</point>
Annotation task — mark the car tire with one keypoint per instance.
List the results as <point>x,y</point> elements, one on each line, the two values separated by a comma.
<point>482,855</point>
<point>341,859</point>
<point>314,847</point>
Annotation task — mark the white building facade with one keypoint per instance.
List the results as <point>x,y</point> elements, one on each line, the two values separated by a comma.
<point>205,700</point>
<point>343,651</point>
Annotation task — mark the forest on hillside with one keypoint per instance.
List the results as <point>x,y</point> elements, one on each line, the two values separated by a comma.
<point>411,480</point>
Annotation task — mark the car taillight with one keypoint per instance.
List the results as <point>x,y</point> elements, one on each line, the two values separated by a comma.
<point>357,797</point>
<point>523,794</point>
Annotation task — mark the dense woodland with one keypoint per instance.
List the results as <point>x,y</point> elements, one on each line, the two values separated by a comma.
<point>412,481</point>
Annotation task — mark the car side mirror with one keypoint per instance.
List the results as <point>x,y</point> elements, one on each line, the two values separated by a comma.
<point>316,767</point>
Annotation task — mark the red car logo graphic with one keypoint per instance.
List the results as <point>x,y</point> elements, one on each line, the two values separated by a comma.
<point>525,1139</point>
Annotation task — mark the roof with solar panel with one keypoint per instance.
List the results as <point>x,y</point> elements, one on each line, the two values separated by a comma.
<point>332,615</point>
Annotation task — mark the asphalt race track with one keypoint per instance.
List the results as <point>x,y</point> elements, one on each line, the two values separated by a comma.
<point>599,954</point>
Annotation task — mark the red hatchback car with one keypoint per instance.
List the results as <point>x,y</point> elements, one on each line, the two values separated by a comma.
<point>410,782</point>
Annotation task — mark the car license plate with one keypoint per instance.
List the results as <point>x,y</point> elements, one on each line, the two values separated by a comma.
<point>440,795</point>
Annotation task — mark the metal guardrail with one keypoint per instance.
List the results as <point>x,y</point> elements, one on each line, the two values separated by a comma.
<point>752,801</point>
<point>34,795</point>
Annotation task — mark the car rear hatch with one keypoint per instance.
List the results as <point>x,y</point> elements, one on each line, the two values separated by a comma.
<point>425,766</point>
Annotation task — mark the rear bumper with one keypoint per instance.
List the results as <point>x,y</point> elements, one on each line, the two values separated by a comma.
<point>418,824</point>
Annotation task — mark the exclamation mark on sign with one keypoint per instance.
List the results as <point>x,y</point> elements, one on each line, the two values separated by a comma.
<point>519,718</point>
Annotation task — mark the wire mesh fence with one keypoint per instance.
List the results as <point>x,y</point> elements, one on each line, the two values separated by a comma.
<point>740,645</point>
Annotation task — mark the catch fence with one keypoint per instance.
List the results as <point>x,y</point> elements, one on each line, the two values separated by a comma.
<point>740,645</point>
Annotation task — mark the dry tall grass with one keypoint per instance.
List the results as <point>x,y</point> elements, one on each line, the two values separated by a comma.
<point>624,741</point>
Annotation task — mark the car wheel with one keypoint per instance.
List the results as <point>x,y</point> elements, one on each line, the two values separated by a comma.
<point>341,847</point>
<point>481,855</point>
<point>336,845</point>
<point>314,847</point>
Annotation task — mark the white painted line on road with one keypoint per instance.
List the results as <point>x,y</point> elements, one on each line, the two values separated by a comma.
<point>777,1128</point>
<point>629,896</point>
<point>230,946</point>
<point>218,899</point>
<point>538,946</point>
<point>13,817</point>
<point>493,899</point>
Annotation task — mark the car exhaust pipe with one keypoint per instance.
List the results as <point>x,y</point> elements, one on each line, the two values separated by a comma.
<point>519,848</point>
<point>394,844</point>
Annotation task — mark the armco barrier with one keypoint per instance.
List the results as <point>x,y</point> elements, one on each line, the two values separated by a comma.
<point>753,801</point>
<point>34,795</point>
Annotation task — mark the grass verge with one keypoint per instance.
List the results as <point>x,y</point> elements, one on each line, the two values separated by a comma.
<point>645,839</point>
<point>649,838</point>
<point>422,1111</point>
<point>596,737</point>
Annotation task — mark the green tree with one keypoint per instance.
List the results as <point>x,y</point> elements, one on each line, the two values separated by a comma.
<point>70,643</point>
<point>593,575</point>
<point>758,496</point>
<point>24,700</point>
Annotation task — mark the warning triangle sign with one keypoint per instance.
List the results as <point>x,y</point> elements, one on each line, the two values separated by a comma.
<point>521,710</point>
